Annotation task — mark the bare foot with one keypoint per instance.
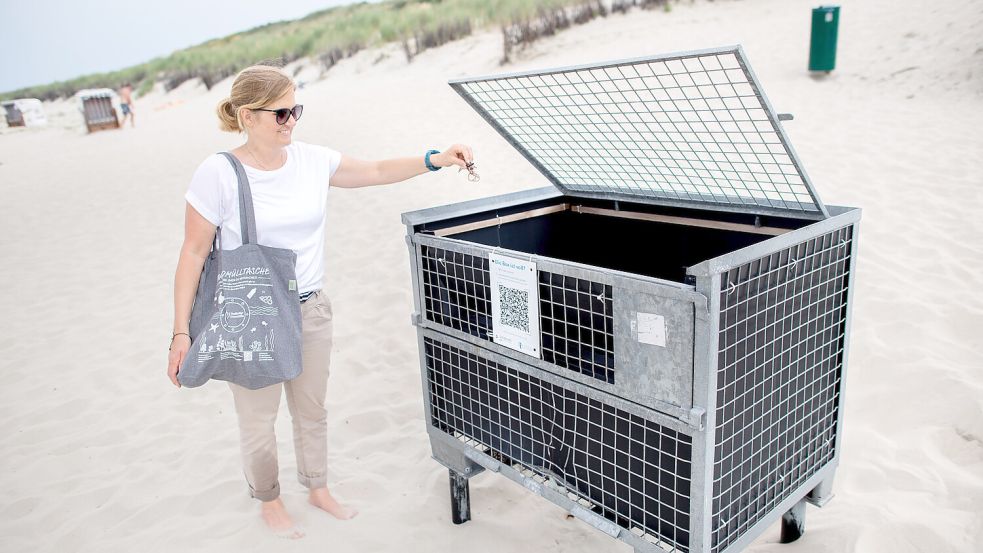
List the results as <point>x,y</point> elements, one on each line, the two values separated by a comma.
<point>277,519</point>
<point>321,498</point>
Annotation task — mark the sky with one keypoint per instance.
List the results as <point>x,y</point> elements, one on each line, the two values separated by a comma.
<point>42,41</point>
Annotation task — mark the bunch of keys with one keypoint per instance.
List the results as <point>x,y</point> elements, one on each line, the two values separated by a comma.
<point>472,175</point>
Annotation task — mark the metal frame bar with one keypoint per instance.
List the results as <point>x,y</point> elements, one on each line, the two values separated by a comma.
<point>472,207</point>
<point>723,263</point>
<point>502,220</point>
<point>547,376</point>
<point>683,221</point>
<point>601,65</point>
<point>775,117</point>
<point>552,264</point>
<point>634,215</point>
<point>705,392</point>
<point>848,325</point>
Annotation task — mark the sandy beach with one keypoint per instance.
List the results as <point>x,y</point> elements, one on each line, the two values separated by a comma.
<point>100,453</point>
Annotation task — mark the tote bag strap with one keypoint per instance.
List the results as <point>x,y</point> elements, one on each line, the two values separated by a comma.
<point>247,217</point>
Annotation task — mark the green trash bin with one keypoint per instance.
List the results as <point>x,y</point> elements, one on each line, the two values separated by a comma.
<point>822,47</point>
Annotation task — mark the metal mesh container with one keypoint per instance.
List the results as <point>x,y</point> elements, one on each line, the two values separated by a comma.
<point>658,342</point>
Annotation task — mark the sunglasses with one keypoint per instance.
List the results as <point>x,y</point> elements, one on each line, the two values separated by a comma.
<point>283,114</point>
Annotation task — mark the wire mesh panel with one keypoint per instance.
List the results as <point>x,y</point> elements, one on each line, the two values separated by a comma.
<point>576,315</point>
<point>691,128</point>
<point>633,471</point>
<point>782,331</point>
<point>456,290</point>
<point>577,324</point>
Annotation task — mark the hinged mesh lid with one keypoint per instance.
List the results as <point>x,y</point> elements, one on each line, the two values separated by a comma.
<point>691,129</point>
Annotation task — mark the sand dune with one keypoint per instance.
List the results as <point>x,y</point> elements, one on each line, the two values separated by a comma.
<point>101,453</point>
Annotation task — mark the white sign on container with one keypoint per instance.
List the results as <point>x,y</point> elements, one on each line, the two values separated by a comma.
<point>515,303</point>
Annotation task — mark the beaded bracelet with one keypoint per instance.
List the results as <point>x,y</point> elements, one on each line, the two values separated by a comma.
<point>176,334</point>
<point>426,160</point>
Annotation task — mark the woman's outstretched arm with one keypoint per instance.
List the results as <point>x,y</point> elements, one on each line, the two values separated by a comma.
<point>356,173</point>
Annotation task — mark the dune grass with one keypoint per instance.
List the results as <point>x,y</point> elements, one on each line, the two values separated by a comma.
<point>333,34</point>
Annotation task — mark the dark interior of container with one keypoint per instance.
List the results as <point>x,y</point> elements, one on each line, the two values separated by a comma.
<point>656,249</point>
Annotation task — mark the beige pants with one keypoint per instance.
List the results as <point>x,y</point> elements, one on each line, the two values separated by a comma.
<point>257,410</point>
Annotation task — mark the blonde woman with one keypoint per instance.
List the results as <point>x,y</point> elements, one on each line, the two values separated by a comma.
<point>289,182</point>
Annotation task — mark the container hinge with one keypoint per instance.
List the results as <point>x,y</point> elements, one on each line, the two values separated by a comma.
<point>785,117</point>
<point>601,524</point>
<point>416,319</point>
<point>698,417</point>
<point>484,460</point>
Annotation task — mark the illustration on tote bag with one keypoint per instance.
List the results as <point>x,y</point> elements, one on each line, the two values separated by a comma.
<point>240,329</point>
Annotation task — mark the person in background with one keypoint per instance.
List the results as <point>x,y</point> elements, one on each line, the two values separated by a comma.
<point>126,104</point>
<point>289,180</point>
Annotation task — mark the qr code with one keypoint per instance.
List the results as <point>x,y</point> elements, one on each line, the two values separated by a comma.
<point>515,307</point>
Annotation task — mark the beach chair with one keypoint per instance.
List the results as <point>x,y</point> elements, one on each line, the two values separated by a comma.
<point>98,109</point>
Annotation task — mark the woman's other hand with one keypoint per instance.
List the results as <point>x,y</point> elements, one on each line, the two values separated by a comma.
<point>175,356</point>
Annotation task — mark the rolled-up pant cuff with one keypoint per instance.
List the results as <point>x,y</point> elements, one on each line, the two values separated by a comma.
<point>313,482</point>
<point>266,495</point>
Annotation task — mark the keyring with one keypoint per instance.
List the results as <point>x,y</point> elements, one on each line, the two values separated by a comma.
<point>472,175</point>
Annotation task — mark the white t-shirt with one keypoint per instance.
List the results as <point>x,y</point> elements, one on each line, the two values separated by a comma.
<point>290,203</point>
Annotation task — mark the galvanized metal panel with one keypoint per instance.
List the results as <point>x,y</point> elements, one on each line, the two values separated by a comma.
<point>692,129</point>
<point>660,371</point>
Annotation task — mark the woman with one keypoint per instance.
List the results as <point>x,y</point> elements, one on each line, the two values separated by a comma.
<point>289,182</point>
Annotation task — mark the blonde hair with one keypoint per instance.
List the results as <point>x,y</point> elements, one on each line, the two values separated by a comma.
<point>255,86</point>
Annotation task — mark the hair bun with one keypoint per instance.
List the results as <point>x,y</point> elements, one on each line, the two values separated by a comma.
<point>227,116</point>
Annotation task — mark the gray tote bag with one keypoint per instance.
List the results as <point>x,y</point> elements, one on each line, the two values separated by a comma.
<point>245,322</point>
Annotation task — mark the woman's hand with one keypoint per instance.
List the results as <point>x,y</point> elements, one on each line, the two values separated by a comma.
<point>458,154</point>
<point>175,356</point>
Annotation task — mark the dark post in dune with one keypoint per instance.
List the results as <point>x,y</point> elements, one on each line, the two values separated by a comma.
<point>658,342</point>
